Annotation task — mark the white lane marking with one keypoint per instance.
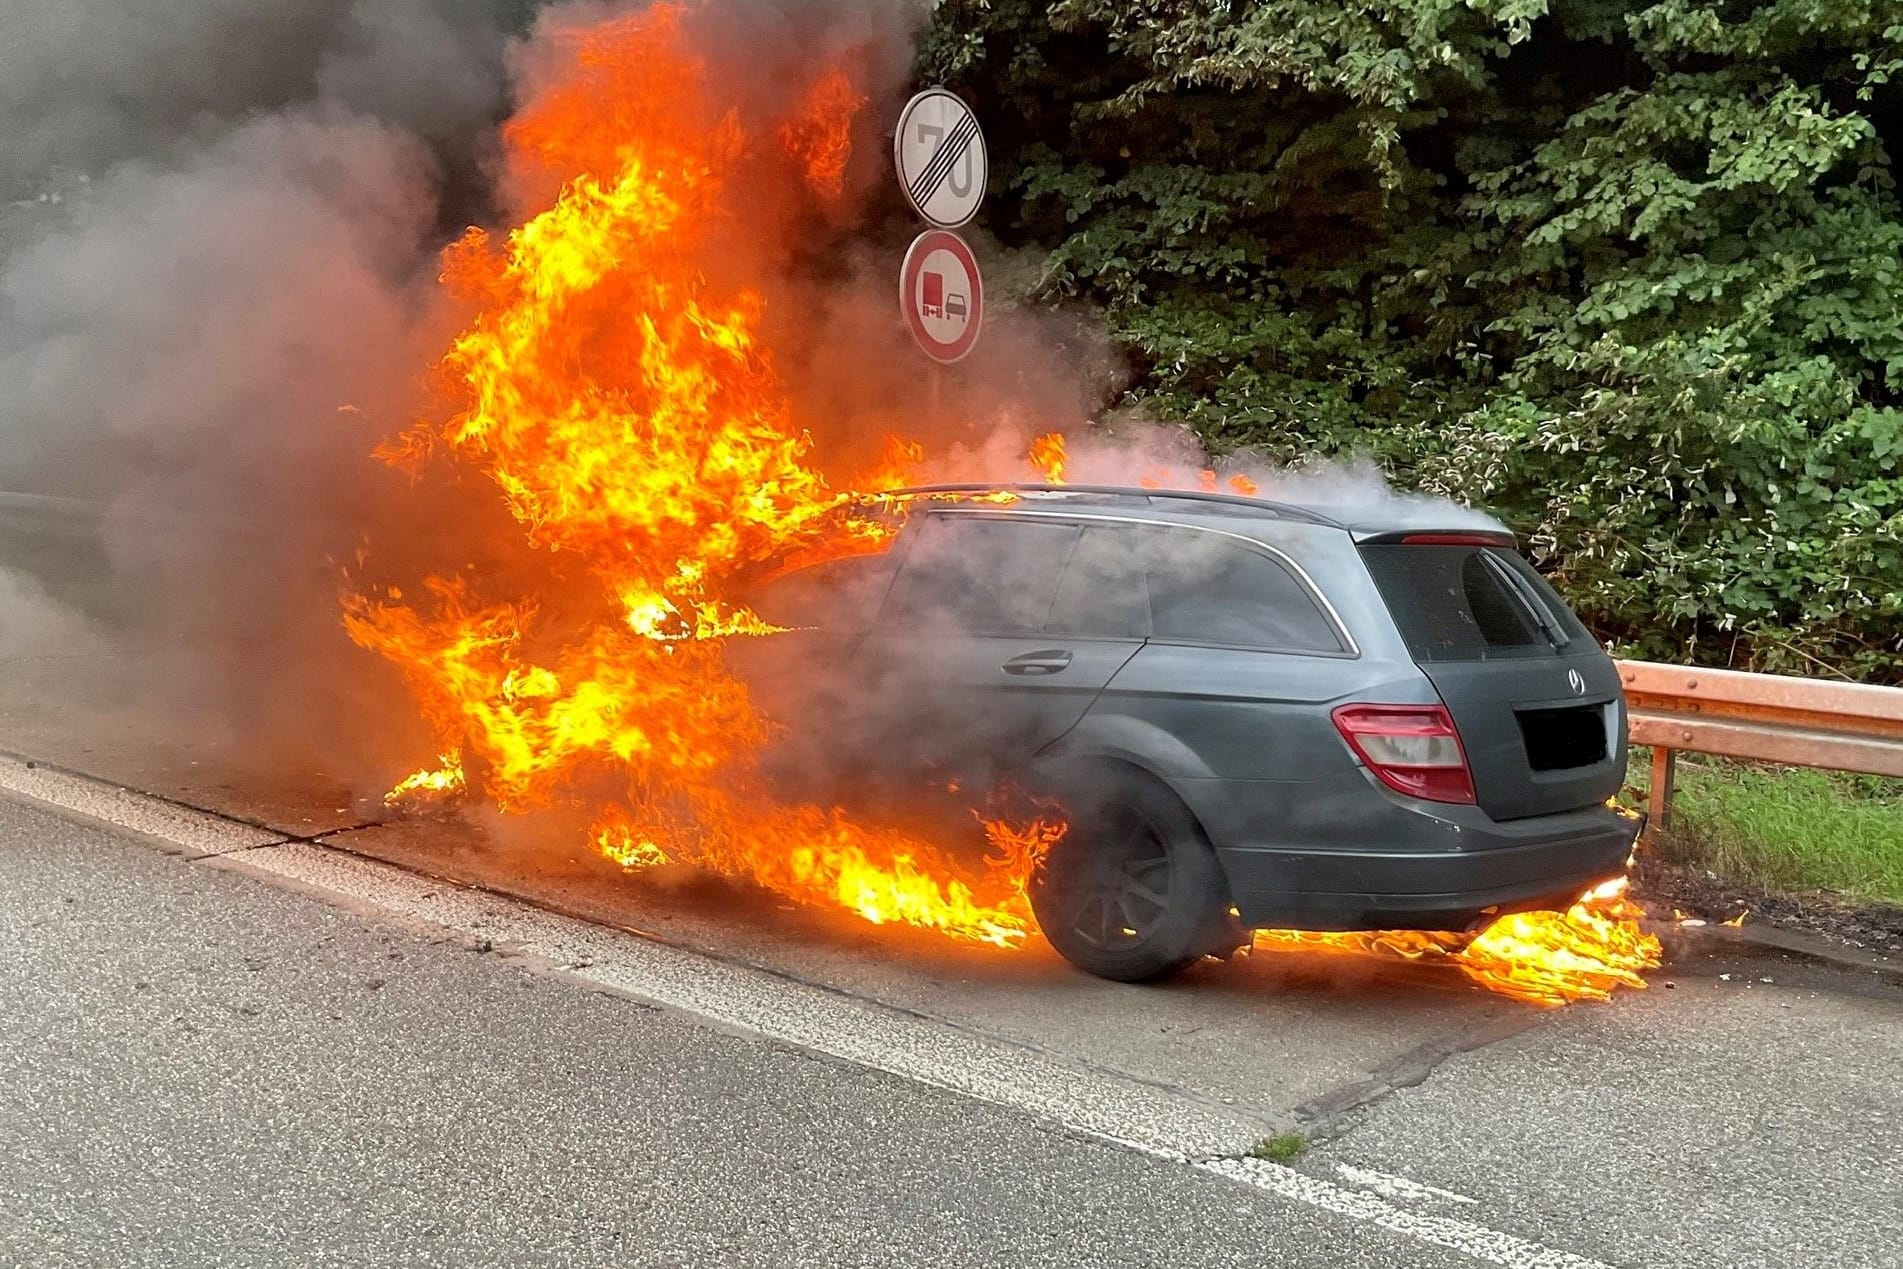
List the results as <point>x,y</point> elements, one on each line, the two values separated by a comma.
<point>196,832</point>
<point>1397,1187</point>
<point>756,1002</point>
<point>1466,1237</point>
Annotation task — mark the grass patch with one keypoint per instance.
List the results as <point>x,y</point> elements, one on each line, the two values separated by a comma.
<point>1779,828</point>
<point>1280,1148</point>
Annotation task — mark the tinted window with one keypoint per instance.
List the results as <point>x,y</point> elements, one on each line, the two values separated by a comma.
<point>1469,603</point>
<point>836,595</point>
<point>1206,589</point>
<point>979,574</point>
<point>1103,594</point>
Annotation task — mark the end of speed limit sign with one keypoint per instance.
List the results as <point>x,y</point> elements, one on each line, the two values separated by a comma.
<point>940,156</point>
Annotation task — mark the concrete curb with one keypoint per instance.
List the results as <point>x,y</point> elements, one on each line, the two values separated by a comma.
<point>1682,940</point>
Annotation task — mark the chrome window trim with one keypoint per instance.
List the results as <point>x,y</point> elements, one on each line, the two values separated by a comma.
<point>1352,649</point>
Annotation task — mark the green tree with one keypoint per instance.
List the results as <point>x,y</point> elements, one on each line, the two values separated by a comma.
<point>1626,273</point>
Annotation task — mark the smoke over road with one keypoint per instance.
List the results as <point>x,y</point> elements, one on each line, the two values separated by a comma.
<point>214,294</point>
<point>218,259</point>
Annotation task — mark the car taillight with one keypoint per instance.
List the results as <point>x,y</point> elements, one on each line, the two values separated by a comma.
<point>1413,749</point>
<point>1458,539</point>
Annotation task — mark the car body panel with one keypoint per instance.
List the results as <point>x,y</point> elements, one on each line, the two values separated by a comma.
<point>1490,699</point>
<point>1005,703</point>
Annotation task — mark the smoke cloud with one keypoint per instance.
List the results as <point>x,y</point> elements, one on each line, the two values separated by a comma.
<point>220,224</point>
<point>216,254</point>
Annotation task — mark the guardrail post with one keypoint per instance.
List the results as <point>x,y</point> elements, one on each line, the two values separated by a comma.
<point>1664,770</point>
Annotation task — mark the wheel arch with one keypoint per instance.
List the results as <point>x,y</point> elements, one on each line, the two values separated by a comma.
<point>1149,753</point>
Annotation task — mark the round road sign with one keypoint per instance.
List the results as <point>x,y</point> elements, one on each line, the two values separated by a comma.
<point>941,294</point>
<point>940,155</point>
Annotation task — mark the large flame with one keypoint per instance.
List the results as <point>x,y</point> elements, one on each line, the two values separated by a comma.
<point>630,420</point>
<point>623,409</point>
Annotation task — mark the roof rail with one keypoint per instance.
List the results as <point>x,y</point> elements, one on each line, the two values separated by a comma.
<point>1282,510</point>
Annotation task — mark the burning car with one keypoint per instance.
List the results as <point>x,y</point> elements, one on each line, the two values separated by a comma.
<point>1254,714</point>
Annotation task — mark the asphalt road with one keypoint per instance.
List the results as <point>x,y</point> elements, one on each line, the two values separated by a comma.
<point>197,1068</point>
<point>258,1053</point>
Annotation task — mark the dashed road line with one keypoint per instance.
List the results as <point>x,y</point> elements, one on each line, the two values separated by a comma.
<point>1467,1237</point>
<point>1397,1187</point>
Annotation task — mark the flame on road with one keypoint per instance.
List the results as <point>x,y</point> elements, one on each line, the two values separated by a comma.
<point>1545,958</point>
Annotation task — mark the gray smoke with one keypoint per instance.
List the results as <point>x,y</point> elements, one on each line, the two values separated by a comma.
<point>86,83</point>
<point>219,230</point>
<point>218,224</point>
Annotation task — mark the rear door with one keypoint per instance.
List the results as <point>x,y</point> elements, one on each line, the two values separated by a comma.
<point>805,678</point>
<point>1240,654</point>
<point>820,613</point>
<point>964,650</point>
<point>1537,701</point>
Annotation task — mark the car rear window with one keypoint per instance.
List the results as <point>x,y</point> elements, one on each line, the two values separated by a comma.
<point>979,575</point>
<point>1459,602</point>
<point>1205,589</point>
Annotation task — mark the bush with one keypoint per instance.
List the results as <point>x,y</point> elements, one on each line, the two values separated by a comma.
<point>1629,274</point>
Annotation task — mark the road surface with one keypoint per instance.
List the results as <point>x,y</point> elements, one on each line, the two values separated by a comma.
<point>225,1051</point>
<point>201,1068</point>
<point>247,1019</point>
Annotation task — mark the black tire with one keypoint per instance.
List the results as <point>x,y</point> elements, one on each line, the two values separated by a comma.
<point>1133,891</point>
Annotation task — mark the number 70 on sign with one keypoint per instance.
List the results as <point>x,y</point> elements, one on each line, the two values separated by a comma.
<point>940,156</point>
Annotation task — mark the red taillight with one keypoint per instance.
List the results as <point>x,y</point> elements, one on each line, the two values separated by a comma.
<point>1413,749</point>
<point>1457,539</point>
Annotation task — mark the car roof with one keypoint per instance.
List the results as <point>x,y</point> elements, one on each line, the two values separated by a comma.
<point>1366,521</point>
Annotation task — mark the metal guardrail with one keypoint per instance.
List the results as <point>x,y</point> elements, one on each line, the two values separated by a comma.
<point>1762,717</point>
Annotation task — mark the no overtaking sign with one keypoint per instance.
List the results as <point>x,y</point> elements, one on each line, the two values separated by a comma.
<point>942,296</point>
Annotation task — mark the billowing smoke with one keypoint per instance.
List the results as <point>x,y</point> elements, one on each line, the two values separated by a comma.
<point>85,84</point>
<point>220,227</point>
<point>218,223</point>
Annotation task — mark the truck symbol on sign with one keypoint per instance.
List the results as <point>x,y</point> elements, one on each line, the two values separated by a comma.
<point>937,302</point>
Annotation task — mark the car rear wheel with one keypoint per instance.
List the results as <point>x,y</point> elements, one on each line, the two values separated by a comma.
<point>1133,892</point>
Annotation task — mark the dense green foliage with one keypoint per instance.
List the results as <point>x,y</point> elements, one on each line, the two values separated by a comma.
<point>1630,274</point>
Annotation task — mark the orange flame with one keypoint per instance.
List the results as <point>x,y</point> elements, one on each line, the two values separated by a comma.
<point>820,135</point>
<point>633,426</point>
<point>1543,958</point>
<point>1047,457</point>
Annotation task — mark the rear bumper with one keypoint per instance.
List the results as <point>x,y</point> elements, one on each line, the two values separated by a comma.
<point>1441,868</point>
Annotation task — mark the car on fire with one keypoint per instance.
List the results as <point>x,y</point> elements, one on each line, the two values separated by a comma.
<point>1254,714</point>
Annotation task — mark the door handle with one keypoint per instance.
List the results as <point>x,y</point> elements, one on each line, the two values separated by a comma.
<point>1047,661</point>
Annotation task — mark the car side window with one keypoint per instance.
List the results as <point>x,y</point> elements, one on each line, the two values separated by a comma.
<point>980,575</point>
<point>836,595</point>
<point>1204,589</point>
<point>1103,594</point>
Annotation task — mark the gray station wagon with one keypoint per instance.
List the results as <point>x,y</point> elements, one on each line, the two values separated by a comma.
<point>1254,714</point>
